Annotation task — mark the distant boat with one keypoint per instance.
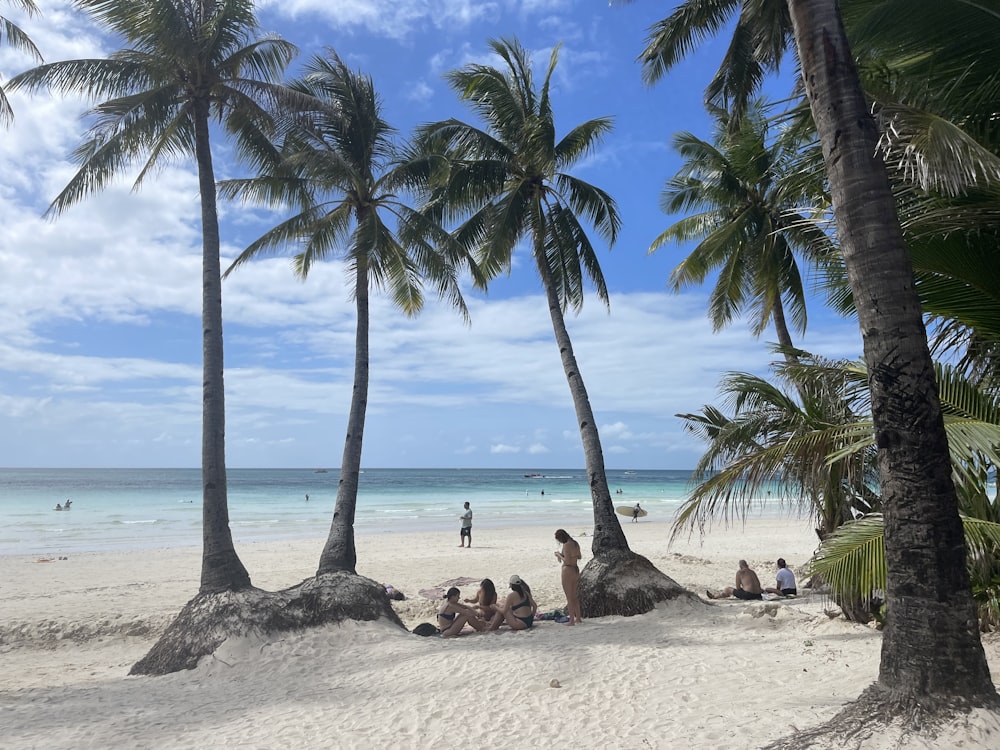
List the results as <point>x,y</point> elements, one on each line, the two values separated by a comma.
<point>320,471</point>
<point>534,476</point>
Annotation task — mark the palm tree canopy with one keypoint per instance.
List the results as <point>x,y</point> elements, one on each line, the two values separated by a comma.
<point>12,35</point>
<point>762,34</point>
<point>508,180</point>
<point>182,54</point>
<point>339,165</point>
<point>754,208</point>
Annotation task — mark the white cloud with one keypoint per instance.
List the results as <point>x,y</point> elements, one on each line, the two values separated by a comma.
<point>502,448</point>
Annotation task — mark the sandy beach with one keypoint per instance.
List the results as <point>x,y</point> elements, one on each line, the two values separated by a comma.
<point>725,674</point>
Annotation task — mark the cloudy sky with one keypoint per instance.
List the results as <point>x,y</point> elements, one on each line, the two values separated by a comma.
<point>100,345</point>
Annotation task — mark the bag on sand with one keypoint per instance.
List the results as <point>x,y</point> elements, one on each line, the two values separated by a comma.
<point>425,629</point>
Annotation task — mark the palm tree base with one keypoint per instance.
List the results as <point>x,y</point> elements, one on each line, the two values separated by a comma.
<point>208,620</point>
<point>880,713</point>
<point>624,583</point>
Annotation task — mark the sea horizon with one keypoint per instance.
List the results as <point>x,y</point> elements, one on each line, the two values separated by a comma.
<point>124,508</point>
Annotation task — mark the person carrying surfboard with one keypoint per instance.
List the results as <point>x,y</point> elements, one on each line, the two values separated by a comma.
<point>636,512</point>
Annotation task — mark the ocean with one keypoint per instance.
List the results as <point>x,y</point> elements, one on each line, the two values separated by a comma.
<point>117,509</point>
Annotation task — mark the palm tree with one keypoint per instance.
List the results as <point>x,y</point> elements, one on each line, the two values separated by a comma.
<point>750,201</point>
<point>188,62</point>
<point>509,182</point>
<point>852,559</point>
<point>793,444</point>
<point>928,592</point>
<point>11,34</point>
<point>337,162</point>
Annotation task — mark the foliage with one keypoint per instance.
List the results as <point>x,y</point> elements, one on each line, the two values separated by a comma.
<point>852,562</point>
<point>792,444</point>
<point>13,36</point>
<point>753,208</point>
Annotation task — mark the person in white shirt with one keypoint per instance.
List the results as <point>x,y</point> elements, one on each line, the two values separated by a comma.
<point>785,580</point>
<point>466,526</point>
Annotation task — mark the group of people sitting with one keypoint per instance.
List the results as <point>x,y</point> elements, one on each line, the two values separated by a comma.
<point>487,612</point>
<point>748,584</point>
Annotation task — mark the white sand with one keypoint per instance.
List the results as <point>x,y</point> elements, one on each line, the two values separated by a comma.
<point>725,675</point>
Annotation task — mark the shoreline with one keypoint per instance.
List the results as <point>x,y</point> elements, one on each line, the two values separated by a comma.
<point>705,675</point>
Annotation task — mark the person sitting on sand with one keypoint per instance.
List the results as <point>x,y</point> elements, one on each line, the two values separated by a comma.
<point>519,609</point>
<point>785,580</point>
<point>747,585</point>
<point>569,556</point>
<point>485,600</point>
<point>453,616</point>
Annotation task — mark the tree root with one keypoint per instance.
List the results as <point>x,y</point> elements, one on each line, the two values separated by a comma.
<point>625,584</point>
<point>878,712</point>
<point>208,620</point>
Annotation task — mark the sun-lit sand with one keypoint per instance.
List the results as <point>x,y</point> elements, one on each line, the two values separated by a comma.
<point>724,674</point>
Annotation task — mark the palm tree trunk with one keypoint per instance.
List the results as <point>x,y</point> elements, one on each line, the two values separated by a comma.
<point>781,330</point>
<point>339,553</point>
<point>609,538</point>
<point>931,644</point>
<point>221,568</point>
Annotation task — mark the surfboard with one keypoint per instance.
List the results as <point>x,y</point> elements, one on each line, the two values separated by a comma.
<point>629,510</point>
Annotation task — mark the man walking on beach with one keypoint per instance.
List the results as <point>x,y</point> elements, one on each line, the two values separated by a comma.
<point>466,526</point>
<point>747,585</point>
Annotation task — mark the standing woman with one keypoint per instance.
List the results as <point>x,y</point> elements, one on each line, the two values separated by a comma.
<point>569,556</point>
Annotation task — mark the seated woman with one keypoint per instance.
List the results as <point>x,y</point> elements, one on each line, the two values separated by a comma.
<point>485,600</point>
<point>519,609</point>
<point>453,616</point>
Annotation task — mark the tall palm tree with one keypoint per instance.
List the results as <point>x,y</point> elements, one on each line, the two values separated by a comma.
<point>11,34</point>
<point>187,62</point>
<point>928,592</point>
<point>509,182</point>
<point>340,165</point>
<point>752,215</point>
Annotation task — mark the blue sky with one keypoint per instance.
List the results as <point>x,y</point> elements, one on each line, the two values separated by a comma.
<point>100,336</point>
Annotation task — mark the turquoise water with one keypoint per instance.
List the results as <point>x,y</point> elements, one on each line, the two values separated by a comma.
<point>148,508</point>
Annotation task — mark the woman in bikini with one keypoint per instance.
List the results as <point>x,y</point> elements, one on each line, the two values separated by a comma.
<point>453,615</point>
<point>569,556</point>
<point>485,600</point>
<point>519,609</point>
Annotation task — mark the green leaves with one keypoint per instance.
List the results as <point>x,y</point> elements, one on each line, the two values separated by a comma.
<point>506,180</point>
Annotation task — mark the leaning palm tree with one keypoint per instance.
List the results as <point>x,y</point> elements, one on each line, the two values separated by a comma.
<point>340,165</point>
<point>508,182</point>
<point>12,35</point>
<point>752,214</point>
<point>188,62</point>
<point>928,592</point>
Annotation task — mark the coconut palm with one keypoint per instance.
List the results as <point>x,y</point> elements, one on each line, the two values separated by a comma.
<point>928,592</point>
<point>337,162</point>
<point>11,34</point>
<point>509,182</point>
<point>751,215</point>
<point>187,63</point>
<point>790,444</point>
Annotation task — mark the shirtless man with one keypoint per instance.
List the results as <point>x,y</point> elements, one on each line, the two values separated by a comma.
<point>747,585</point>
